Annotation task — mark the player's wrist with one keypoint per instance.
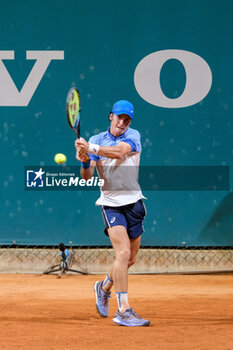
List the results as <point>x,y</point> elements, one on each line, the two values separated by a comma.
<point>86,165</point>
<point>93,148</point>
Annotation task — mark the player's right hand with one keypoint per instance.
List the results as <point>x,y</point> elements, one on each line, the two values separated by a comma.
<point>82,144</point>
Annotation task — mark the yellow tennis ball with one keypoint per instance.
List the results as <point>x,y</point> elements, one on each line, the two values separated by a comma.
<point>60,158</point>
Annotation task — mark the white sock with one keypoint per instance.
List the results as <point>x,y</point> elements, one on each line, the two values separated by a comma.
<point>122,299</point>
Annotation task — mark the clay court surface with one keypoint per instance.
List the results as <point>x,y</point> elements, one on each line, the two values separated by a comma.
<point>186,312</point>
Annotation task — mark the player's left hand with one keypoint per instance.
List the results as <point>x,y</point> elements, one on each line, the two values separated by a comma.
<point>82,157</point>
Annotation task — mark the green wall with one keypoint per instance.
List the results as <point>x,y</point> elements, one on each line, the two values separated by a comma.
<point>103,43</point>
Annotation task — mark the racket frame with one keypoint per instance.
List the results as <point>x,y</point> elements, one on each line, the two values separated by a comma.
<point>76,130</point>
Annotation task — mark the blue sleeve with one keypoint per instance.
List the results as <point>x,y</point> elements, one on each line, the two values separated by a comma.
<point>131,143</point>
<point>133,138</point>
<point>94,139</point>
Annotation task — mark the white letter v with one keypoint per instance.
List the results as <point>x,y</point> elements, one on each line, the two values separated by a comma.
<point>9,94</point>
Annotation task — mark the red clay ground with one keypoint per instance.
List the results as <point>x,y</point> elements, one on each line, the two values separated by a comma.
<point>186,312</point>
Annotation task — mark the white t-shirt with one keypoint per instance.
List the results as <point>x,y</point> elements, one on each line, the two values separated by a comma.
<point>120,175</point>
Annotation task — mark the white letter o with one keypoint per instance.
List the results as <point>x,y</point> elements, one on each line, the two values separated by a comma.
<point>198,78</point>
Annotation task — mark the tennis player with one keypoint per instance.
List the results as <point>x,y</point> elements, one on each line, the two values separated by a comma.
<point>115,153</point>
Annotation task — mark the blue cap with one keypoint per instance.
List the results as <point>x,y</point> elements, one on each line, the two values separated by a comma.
<point>123,107</point>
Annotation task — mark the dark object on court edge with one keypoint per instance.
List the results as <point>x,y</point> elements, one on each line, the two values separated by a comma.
<point>65,259</point>
<point>62,247</point>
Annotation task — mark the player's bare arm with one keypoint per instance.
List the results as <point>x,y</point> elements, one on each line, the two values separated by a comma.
<point>89,172</point>
<point>114,152</point>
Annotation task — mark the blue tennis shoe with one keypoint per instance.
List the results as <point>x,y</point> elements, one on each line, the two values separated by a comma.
<point>129,318</point>
<point>102,298</point>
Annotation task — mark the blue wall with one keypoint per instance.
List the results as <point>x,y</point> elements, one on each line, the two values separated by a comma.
<point>103,42</point>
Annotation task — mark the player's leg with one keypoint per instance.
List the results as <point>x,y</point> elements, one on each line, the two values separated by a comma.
<point>121,244</point>
<point>135,214</point>
<point>134,247</point>
<point>113,217</point>
<point>124,257</point>
<point>127,316</point>
<point>126,251</point>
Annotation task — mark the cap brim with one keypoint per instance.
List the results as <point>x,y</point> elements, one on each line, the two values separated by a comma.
<point>119,113</point>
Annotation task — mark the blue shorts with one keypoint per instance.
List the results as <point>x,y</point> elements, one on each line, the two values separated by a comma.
<point>130,216</point>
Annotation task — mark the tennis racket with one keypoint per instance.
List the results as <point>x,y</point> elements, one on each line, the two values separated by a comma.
<point>73,109</point>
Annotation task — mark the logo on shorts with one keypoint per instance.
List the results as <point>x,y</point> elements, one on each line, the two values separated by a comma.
<point>112,220</point>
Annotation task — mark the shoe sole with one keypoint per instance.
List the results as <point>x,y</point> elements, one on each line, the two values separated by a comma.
<point>96,297</point>
<point>120,323</point>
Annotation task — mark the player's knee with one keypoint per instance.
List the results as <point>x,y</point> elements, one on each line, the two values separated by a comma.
<point>123,255</point>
